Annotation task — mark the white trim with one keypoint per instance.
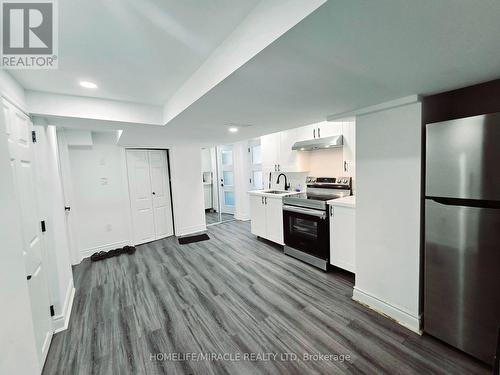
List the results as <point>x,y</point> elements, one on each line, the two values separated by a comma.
<point>401,317</point>
<point>195,229</point>
<point>85,253</point>
<point>241,218</point>
<point>376,108</point>
<point>21,107</point>
<point>61,322</point>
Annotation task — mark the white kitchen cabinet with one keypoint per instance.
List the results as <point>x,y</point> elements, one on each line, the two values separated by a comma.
<point>267,217</point>
<point>270,146</point>
<point>321,129</point>
<point>274,219</point>
<point>277,153</point>
<point>342,237</point>
<point>329,129</point>
<point>292,160</point>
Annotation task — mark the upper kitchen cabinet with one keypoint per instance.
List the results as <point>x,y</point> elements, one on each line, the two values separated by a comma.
<point>277,153</point>
<point>270,145</point>
<point>292,160</point>
<point>320,130</point>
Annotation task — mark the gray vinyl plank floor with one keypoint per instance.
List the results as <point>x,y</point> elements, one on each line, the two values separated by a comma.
<point>232,295</point>
<point>213,217</point>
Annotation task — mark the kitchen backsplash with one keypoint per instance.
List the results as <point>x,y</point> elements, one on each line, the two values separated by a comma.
<point>294,178</point>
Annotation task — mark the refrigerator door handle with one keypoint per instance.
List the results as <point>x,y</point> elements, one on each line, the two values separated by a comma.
<point>466,202</point>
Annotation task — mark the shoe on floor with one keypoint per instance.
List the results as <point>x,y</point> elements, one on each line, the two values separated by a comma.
<point>98,256</point>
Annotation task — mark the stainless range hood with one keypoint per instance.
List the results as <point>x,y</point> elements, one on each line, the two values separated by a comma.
<point>319,143</point>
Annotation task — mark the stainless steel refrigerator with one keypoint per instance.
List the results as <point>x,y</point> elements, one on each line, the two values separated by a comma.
<point>462,234</point>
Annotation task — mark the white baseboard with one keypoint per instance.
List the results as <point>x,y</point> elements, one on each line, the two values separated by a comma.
<point>60,322</point>
<point>85,253</point>
<point>242,218</point>
<point>401,317</point>
<point>191,230</point>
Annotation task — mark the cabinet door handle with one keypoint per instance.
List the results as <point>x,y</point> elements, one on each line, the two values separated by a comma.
<point>265,200</point>
<point>262,199</point>
<point>331,211</point>
<point>279,167</point>
<point>345,166</point>
<point>319,133</point>
<point>314,133</point>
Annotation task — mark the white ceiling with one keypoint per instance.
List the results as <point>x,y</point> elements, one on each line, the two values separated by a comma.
<point>135,50</point>
<point>344,56</point>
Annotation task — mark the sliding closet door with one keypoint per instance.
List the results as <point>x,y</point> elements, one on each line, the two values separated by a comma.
<point>141,202</point>
<point>149,195</point>
<point>161,194</point>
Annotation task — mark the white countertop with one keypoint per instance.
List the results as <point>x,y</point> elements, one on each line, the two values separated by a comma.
<point>343,202</point>
<point>265,194</point>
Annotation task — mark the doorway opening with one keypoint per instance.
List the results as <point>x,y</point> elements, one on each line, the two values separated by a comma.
<point>150,194</point>
<point>218,184</point>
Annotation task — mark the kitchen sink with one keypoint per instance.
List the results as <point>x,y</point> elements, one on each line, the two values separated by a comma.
<point>275,192</point>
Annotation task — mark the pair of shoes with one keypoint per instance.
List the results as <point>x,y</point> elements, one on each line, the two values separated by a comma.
<point>113,253</point>
<point>98,256</point>
<point>129,249</point>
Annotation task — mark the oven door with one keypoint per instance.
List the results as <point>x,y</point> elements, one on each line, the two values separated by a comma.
<point>307,230</point>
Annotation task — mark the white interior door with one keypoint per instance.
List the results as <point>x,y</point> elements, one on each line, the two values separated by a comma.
<point>19,133</point>
<point>149,195</point>
<point>162,207</point>
<point>141,201</point>
<point>226,179</point>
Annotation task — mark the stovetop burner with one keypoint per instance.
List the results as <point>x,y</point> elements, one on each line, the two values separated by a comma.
<point>319,191</point>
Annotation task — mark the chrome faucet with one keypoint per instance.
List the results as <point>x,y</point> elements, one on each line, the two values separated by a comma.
<point>287,185</point>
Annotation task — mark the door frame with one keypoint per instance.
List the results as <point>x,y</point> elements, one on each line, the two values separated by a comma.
<point>220,179</point>
<point>169,171</point>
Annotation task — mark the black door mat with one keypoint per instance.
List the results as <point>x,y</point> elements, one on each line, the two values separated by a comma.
<point>191,239</point>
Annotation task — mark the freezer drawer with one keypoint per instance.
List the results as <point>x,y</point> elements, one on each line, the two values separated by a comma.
<point>462,277</point>
<point>462,158</point>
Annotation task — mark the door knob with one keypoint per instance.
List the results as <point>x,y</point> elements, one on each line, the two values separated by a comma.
<point>154,193</point>
<point>28,277</point>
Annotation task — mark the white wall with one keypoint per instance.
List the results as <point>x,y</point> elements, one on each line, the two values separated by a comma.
<point>101,199</point>
<point>241,159</point>
<point>187,190</point>
<point>12,91</point>
<point>388,162</point>
<point>96,188</point>
<point>47,104</point>
<point>17,338</point>
<point>326,163</point>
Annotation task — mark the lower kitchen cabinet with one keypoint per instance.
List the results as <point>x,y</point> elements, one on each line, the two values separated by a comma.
<point>342,237</point>
<point>267,217</point>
